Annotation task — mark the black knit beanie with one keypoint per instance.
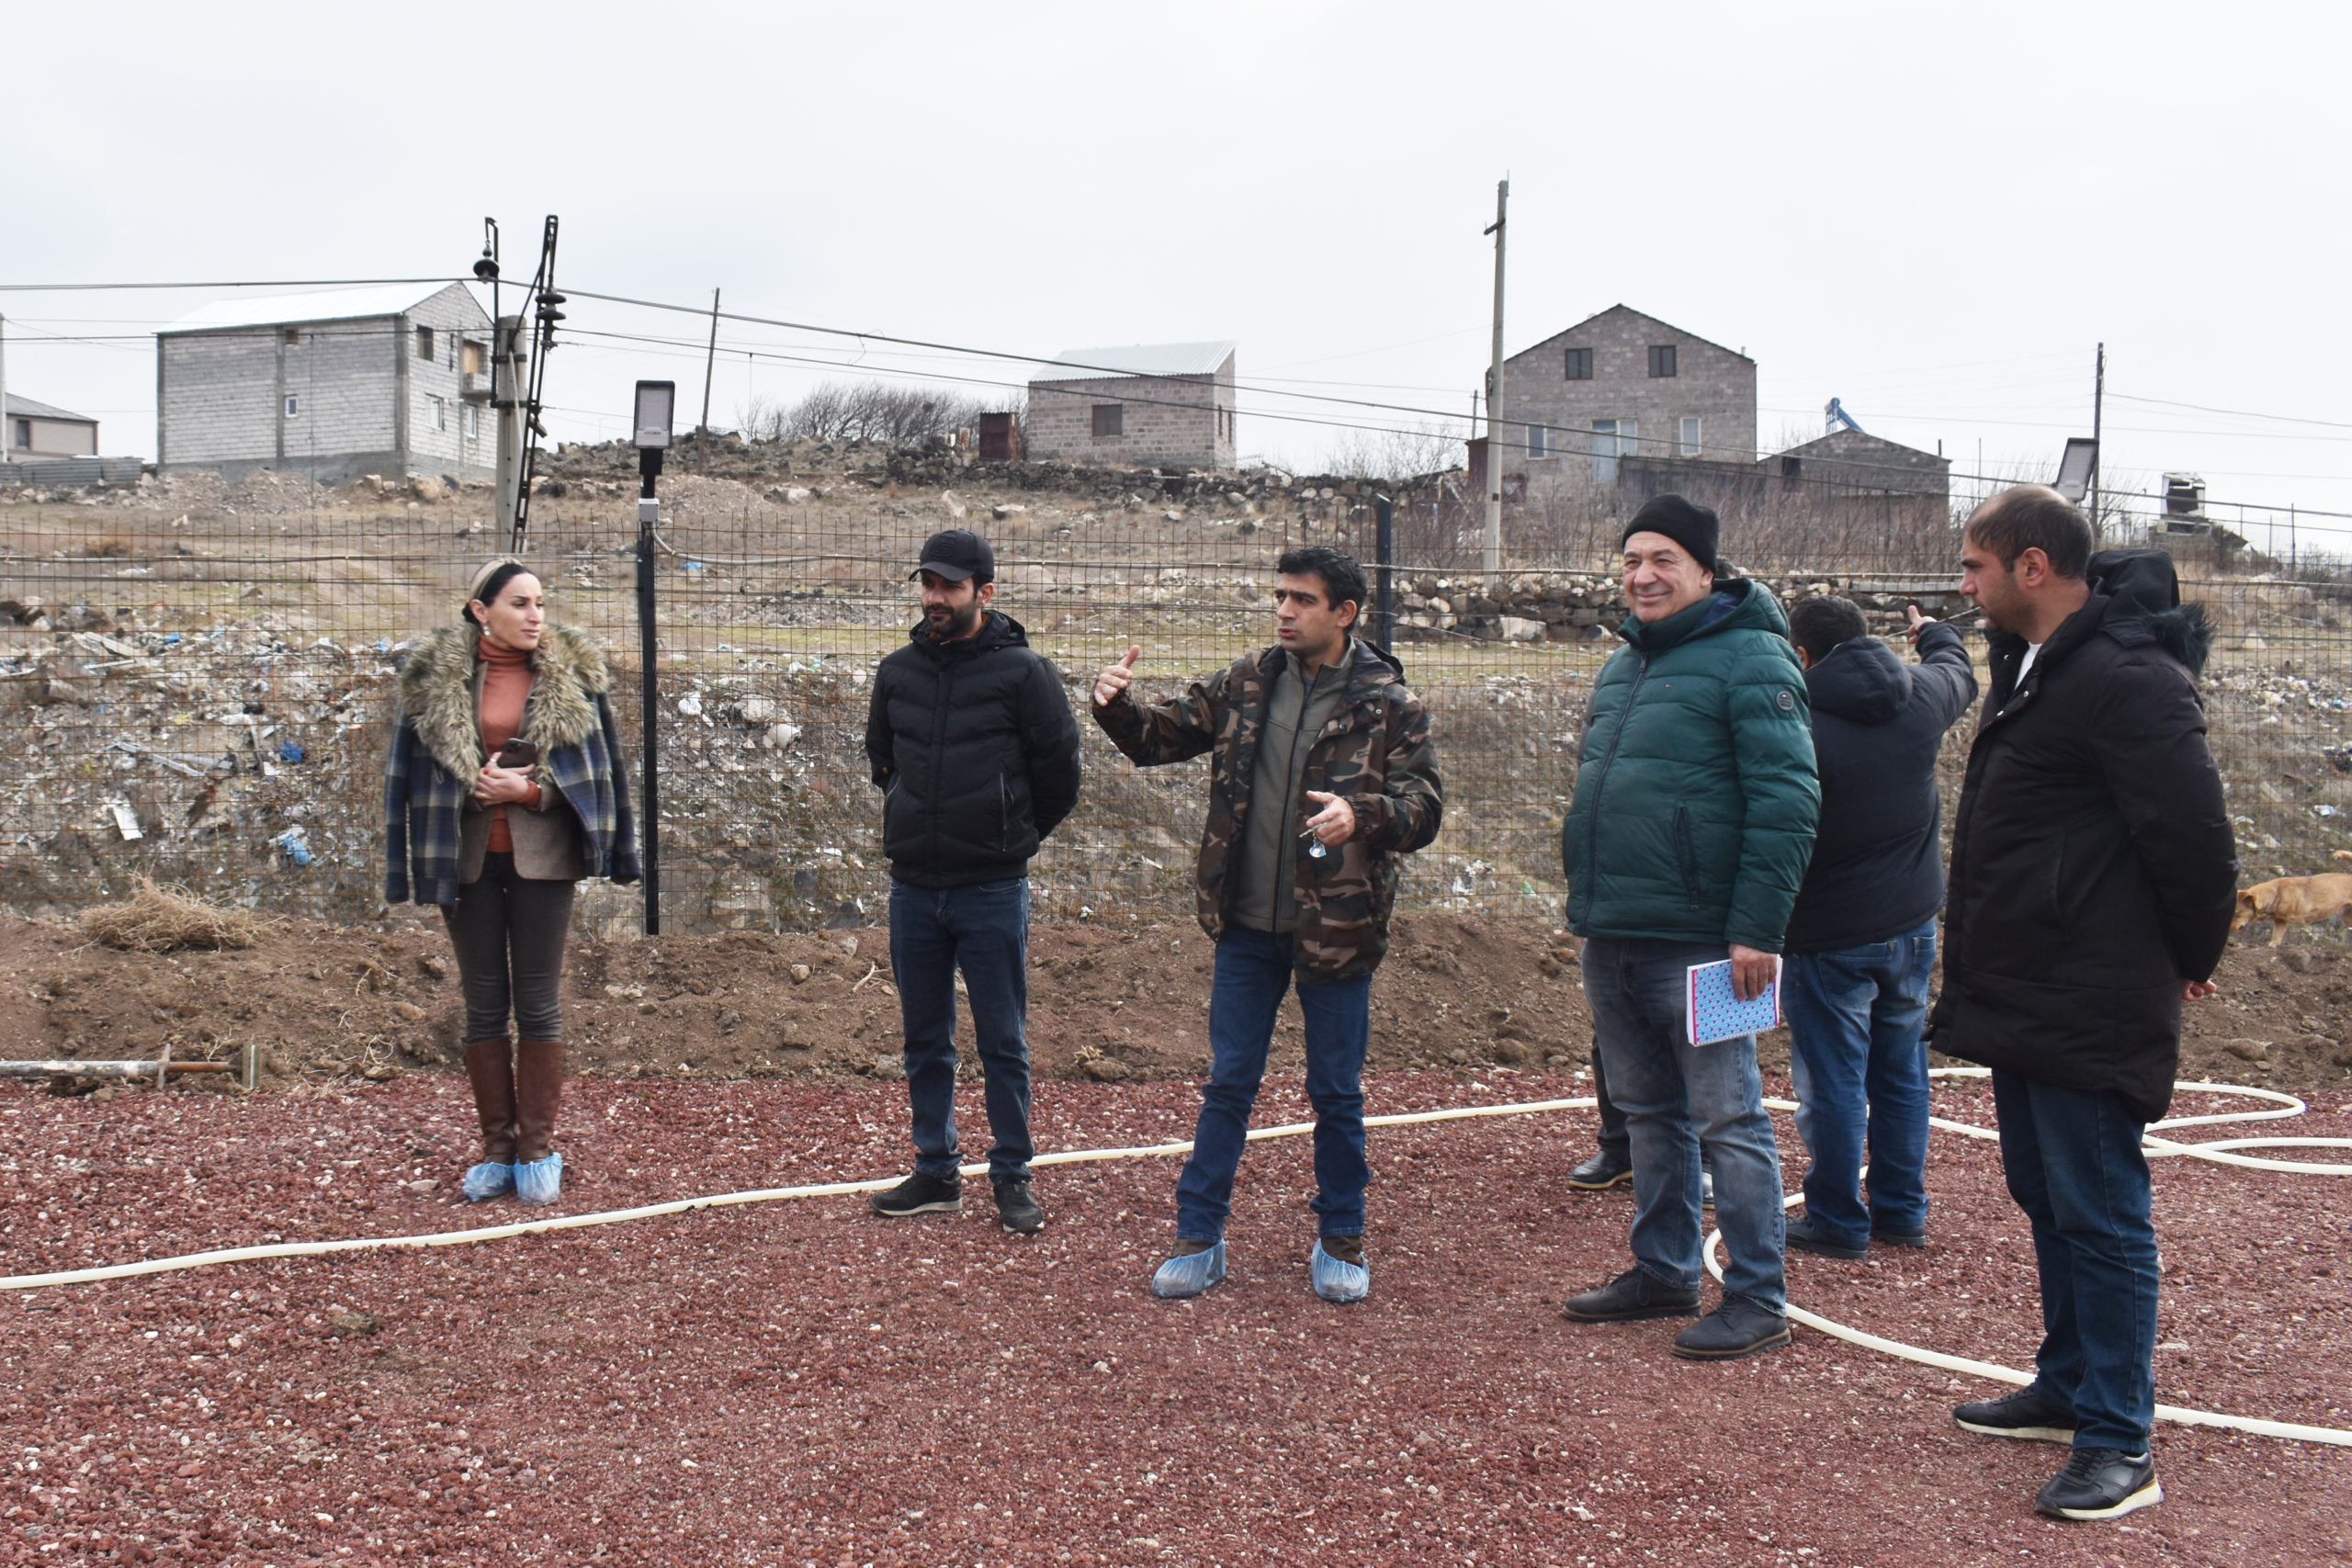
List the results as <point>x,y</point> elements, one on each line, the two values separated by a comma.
<point>1694,527</point>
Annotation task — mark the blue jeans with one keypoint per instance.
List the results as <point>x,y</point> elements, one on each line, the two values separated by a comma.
<point>983,930</point>
<point>1253,975</point>
<point>2075,1166</point>
<point>1862,1076</point>
<point>1677,1097</point>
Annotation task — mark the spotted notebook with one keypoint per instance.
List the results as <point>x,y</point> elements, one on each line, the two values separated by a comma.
<point>1715,1014</point>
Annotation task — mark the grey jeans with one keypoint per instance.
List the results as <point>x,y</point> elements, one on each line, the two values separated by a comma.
<point>508,931</point>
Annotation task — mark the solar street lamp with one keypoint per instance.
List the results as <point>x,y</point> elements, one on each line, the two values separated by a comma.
<point>2076,466</point>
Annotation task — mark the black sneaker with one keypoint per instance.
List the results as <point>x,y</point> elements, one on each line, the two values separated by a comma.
<point>2101,1483</point>
<point>1019,1211</point>
<point>1630,1297</point>
<point>1898,1238</point>
<point>1734,1330</point>
<point>920,1194</point>
<point>1602,1172</point>
<point>2024,1414</point>
<point>1805,1238</point>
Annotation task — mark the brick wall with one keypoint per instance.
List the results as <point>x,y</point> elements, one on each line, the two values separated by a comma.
<point>219,398</point>
<point>452,447</point>
<point>1186,422</point>
<point>1711,382</point>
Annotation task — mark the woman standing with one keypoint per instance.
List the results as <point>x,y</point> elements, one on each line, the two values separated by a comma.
<point>503,788</point>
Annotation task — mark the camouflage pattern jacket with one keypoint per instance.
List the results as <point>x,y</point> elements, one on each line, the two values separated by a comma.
<point>1376,751</point>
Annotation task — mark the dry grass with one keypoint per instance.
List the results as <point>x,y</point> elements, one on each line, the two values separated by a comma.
<point>163,920</point>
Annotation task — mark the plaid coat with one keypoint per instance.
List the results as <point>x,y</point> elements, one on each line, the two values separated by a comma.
<point>431,765</point>
<point>1376,751</point>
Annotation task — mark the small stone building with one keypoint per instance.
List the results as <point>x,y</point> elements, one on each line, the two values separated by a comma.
<point>35,430</point>
<point>1624,385</point>
<point>1166,405</point>
<point>1850,460</point>
<point>389,380</point>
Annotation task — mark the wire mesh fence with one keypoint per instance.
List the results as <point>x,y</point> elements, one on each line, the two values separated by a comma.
<point>198,674</point>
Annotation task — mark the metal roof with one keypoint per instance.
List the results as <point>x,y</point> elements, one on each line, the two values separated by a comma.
<point>1137,359</point>
<point>333,305</point>
<point>24,408</point>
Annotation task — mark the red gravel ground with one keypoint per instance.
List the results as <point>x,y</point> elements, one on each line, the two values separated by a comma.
<point>798,1383</point>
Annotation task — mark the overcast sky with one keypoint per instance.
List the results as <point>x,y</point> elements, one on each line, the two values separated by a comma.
<point>1933,213</point>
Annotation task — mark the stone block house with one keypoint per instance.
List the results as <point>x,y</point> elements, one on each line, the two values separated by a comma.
<point>1621,384</point>
<point>1850,460</point>
<point>392,381</point>
<point>1167,405</point>
<point>35,430</point>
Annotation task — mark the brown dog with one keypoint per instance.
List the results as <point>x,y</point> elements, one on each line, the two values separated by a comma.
<point>2295,901</point>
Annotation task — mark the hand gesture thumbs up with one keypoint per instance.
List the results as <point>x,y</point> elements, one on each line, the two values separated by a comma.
<point>1115,678</point>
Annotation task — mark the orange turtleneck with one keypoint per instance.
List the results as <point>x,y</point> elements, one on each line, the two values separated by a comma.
<point>506,688</point>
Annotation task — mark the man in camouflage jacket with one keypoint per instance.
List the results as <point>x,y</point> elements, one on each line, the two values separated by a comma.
<point>1322,775</point>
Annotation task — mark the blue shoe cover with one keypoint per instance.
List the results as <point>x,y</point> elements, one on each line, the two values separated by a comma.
<point>491,1178</point>
<point>1338,1281</point>
<point>1180,1279</point>
<point>539,1180</point>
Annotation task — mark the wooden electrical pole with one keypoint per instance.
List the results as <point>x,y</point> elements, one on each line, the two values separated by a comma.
<point>2099,400</point>
<point>702,434</point>
<point>1494,551</point>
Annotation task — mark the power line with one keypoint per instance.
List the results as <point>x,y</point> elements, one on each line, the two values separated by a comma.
<point>248,283</point>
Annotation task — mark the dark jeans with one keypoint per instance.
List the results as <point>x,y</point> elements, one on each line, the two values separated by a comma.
<point>508,931</point>
<point>1679,1098</point>
<point>1612,1139</point>
<point>1862,1077</point>
<point>2075,1166</point>
<point>984,931</point>
<point>1253,975</point>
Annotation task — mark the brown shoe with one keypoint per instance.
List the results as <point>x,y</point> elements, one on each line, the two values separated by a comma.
<point>538,1091</point>
<point>491,1065</point>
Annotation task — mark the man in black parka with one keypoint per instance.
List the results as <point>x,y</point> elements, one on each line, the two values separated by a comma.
<point>974,748</point>
<point>2093,876</point>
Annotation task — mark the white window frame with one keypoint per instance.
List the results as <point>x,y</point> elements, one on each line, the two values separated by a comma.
<point>1538,443</point>
<point>293,405</point>
<point>436,410</point>
<point>1686,439</point>
<point>473,421</point>
<point>1611,439</point>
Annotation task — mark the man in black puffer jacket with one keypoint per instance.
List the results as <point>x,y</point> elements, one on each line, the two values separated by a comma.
<point>1862,944</point>
<point>975,748</point>
<point>2093,876</point>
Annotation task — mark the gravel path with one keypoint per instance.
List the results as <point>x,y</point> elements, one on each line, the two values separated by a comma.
<point>798,1383</point>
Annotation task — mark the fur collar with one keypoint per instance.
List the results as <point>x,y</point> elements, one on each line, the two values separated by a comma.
<point>569,674</point>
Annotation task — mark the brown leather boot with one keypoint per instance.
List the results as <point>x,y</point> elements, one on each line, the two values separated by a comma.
<point>539,1090</point>
<point>491,1065</point>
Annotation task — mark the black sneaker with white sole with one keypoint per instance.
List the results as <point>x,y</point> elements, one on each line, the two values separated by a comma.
<point>2024,1414</point>
<point>1015,1207</point>
<point>920,1194</point>
<point>1604,1170</point>
<point>2101,1483</point>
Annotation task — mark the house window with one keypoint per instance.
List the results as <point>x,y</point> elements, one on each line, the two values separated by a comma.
<point>469,358</point>
<point>1580,365</point>
<point>1611,438</point>
<point>1686,438</point>
<point>473,419</point>
<point>436,412</point>
<point>424,343</point>
<point>1109,419</point>
<point>293,405</point>
<point>293,337</point>
<point>1539,443</point>
<point>1662,360</point>
<point>23,439</point>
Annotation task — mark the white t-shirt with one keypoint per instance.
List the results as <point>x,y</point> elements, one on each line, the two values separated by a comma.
<point>2033,651</point>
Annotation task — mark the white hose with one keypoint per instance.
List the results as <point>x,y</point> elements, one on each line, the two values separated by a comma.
<point>2156,1147</point>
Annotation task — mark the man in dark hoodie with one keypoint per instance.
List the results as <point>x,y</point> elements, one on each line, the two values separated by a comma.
<point>2093,876</point>
<point>974,748</point>
<point>1861,945</point>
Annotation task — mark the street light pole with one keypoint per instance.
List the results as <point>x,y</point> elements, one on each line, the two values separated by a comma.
<point>1494,551</point>
<point>656,408</point>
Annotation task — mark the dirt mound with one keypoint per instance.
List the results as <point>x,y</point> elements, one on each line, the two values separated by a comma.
<point>326,1000</point>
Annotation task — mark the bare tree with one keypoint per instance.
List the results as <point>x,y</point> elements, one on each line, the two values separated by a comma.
<point>867,410</point>
<point>1395,454</point>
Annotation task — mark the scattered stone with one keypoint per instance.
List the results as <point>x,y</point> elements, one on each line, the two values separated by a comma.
<point>379,1072</point>
<point>2247,1050</point>
<point>358,1322</point>
<point>799,973</point>
<point>1104,1069</point>
<point>779,736</point>
<point>848,944</point>
<point>731,1021</point>
<point>426,1187</point>
<point>756,711</point>
<point>1003,511</point>
<point>409,1011</point>
<point>434,965</point>
<point>424,487</point>
<point>888,1067</point>
<point>1517,630</point>
<point>953,503</point>
<point>2298,959</point>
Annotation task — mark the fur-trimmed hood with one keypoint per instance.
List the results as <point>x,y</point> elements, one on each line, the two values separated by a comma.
<point>437,689</point>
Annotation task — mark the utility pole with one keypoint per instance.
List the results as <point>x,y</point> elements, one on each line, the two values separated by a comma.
<point>2099,400</point>
<point>7,425</point>
<point>702,435</point>
<point>507,376</point>
<point>1494,551</point>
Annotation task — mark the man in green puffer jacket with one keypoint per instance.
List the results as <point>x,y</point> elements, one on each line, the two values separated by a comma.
<point>1685,842</point>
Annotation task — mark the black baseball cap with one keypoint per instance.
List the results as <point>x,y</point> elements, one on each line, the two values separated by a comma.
<point>956,554</point>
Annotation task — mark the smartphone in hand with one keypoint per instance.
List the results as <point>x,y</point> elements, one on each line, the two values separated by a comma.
<point>518,753</point>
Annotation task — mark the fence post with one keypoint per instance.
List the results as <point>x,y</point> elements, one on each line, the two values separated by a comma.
<point>650,820</point>
<point>1384,554</point>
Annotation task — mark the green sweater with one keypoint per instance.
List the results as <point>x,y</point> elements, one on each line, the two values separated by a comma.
<point>1696,792</point>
